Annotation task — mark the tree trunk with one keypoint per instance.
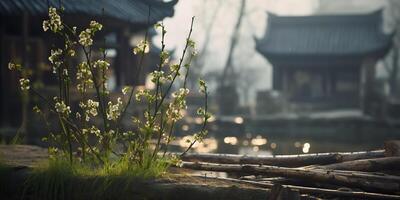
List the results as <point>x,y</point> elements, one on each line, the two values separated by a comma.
<point>228,69</point>
<point>199,59</point>
<point>394,72</point>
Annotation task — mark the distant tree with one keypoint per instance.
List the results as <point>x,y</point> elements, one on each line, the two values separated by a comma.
<point>247,77</point>
<point>228,71</point>
<point>391,63</point>
<point>199,61</point>
<point>227,95</point>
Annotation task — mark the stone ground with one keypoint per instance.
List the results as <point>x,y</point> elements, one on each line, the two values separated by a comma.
<point>22,155</point>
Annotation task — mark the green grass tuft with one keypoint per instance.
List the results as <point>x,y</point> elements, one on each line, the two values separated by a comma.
<point>60,180</point>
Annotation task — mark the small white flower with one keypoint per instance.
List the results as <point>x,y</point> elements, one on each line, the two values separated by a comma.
<point>85,38</point>
<point>125,90</point>
<point>54,23</point>
<point>45,25</point>
<point>54,57</point>
<point>11,66</point>
<point>142,47</point>
<point>102,64</point>
<point>84,77</point>
<point>24,84</point>
<point>62,108</point>
<point>90,108</point>
<point>114,110</point>
<point>95,26</point>
<point>36,109</point>
<point>95,131</point>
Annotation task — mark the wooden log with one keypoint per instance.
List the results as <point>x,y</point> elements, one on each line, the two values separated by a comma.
<point>303,174</point>
<point>355,174</point>
<point>319,191</point>
<point>283,160</point>
<point>363,175</point>
<point>392,148</point>
<point>367,165</point>
<point>279,192</point>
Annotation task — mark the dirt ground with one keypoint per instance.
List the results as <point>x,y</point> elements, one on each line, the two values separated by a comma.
<point>31,156</point>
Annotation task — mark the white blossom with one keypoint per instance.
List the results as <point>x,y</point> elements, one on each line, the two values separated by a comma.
<point>102,64</point>
<point>125,90</point>
<point>84,77</point>
<point>114,110</point>
<point>11,66</point>
<point>54,23</point>
<point>142,47</point>
<point>85,38</point>
<point>89,108</point>
<point>62,108</point>
<point>24,84</point>
<point>95,26</point>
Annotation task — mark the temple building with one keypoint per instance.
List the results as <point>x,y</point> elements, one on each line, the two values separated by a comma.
<point>23,40</point>
<point>325,61</point>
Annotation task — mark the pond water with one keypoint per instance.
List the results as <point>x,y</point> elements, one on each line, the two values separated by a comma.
<point>237,135</point>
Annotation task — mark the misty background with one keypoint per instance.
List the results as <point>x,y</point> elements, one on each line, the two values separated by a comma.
<point>218,17</point>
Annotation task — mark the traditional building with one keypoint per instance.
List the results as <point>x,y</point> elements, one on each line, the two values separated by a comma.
<point>325,61</point>
<point>23,40</point>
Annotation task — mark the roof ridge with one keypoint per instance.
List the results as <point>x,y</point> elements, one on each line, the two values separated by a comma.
<point>375,16</point>
<point>324,35</point>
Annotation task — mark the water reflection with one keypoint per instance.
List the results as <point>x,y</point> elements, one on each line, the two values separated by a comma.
<point>297,144</point>
<point>259,140</point>
<point>185,127</point>
<point>257,144</point>
<point>256,148</point>
<point>231,140</point>
<point>238,120</point>
<point>208,145</point>
<point>306,147</point>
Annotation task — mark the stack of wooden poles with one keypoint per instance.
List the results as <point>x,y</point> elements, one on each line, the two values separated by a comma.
<point>346,175</point>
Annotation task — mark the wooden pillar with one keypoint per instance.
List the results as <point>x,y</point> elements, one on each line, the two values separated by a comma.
<point>3,79</point>
<point>123,65</point>
<point>119,60</point>
<point>327,82</point>
<point>25,64</point>
<point>367,85</point>
<point>277,78</point>
<point>285,76</point>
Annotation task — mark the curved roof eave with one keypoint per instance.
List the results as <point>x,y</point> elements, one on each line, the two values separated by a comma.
<point>131,11</point>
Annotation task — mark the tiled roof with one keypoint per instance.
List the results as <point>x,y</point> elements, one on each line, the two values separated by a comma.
<point>133,11</point>
<point>324,35</point>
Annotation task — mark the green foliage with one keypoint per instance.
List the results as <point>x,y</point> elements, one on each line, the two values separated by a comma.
<point>115,151</point>
<point>50,182</point>
<point>57,179</point>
